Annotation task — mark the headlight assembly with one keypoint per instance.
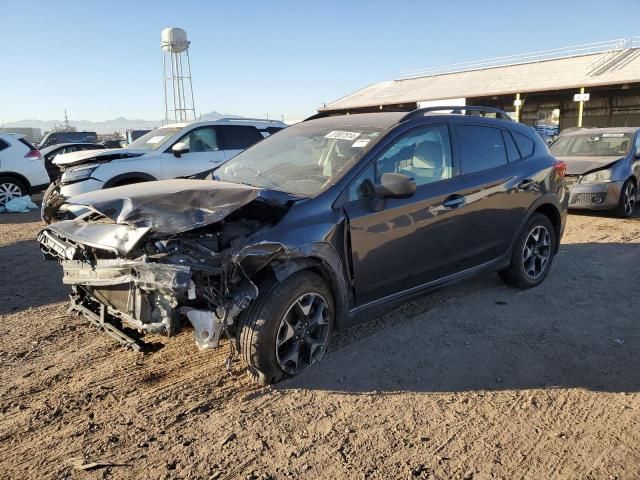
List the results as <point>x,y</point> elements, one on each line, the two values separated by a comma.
<point>597,177</point>
<point>77,174</point>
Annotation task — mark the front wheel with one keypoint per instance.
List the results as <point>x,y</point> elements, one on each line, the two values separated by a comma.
<point>287,328</point>
<point>627,203</point>
<point>532,254</point>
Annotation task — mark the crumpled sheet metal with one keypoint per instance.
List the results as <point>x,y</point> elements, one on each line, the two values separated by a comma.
<point>167,278</point>
<point>106,236</point>
<point>170,206</point>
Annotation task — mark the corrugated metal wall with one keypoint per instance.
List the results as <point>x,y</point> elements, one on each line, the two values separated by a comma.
<point>607,107</point>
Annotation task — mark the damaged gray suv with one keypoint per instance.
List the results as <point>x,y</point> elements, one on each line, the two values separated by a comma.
<point>326,221</point>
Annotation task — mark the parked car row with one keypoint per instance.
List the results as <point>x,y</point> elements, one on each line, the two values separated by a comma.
<point>171,151</point>
<point>306,230</point>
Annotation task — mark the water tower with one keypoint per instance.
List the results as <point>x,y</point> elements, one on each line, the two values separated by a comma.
<point>178,89</point>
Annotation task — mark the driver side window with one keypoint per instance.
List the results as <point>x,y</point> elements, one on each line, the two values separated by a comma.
<point>201,140</point>
<point>423,154</point>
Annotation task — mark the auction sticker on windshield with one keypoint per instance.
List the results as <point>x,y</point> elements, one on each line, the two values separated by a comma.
<point>360,143</point>
<point>342,135</point>
<point>156,139</point>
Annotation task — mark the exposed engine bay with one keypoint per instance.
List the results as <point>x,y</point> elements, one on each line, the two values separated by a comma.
<point>163,253</point>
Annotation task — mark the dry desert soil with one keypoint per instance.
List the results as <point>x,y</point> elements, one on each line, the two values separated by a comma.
<point>474,381</point>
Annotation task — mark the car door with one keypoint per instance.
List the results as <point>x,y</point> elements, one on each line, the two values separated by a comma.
<point>205,152</point>
<point>236,138</point>
<point>497,191</point>
<point>406,242</point>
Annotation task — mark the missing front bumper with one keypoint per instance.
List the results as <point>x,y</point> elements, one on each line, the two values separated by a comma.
<point>103,320</point>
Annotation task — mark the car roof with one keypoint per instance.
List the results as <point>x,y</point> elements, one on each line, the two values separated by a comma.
<point>256,122</point>
<point>376,120</point>
<point>388,120</point>
<point>601,130</point>
<point>13,135</point>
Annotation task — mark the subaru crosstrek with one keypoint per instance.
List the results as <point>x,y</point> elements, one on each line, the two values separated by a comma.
<point>329,219</point>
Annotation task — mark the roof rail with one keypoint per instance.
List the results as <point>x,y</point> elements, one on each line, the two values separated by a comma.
<point>244,119</point>
<point>319,115</point>
<point>457,109</point>
<point>336,113</point>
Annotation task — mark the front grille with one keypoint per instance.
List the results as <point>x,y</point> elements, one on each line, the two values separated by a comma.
<point>587,199</point>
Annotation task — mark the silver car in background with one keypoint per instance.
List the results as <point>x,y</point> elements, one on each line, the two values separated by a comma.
<point>603,168</point>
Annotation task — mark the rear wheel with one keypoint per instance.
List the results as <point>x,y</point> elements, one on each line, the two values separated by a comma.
<point>532,254</point>
<point>288,327</point>
<point>627,203</point>
<point>11,188</point>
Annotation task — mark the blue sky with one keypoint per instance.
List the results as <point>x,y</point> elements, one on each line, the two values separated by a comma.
<point>102,60</point>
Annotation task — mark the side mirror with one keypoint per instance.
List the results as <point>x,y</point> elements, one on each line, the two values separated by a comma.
<point>395,185</point>
<point>179,148</point>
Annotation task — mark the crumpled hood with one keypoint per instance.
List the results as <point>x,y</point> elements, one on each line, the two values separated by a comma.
<point>582,165</point>
<point>169,207</point>
<point>87,156</point>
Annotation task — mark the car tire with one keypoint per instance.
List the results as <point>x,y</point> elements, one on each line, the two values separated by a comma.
<point>11,188</point>
<point>627,202</point>
<point>275,326</point>
<point>532,255</point>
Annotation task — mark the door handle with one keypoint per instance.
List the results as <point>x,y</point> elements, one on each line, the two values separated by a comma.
<point>525,185</point>
<point>454,201</point>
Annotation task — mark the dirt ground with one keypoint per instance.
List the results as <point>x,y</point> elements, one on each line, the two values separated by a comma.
<point>474,381</point>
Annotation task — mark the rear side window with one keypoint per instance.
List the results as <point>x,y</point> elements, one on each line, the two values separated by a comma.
<point>525,144</point>
<point>3,145</point>
<point>512,150</point>
<point>481,148</point>
<point>239,137</point>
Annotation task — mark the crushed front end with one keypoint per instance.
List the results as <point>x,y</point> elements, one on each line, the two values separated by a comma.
<point>144,269</point>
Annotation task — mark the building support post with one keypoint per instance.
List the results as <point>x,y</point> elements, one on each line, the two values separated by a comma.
<point>517,104</point>
<point>580,107</point>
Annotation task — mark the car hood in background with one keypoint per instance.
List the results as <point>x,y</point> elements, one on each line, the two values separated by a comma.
<point>169,207</point>
<point>582,165</point>
<point>98,155</point>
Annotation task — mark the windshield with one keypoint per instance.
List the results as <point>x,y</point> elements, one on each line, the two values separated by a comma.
<point>592,145</point>
<point>155,138</point>
<point>302,159</point>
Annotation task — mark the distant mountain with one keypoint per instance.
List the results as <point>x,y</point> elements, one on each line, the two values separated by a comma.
<point>119,124</point>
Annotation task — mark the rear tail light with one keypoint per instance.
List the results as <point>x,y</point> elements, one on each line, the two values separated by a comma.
<point>33,155</point>
<point>560,167</point>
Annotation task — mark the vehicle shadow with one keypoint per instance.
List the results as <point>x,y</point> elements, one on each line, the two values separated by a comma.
<point>579,329</point>
<point>20,218</point>
<point>26,279</point>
